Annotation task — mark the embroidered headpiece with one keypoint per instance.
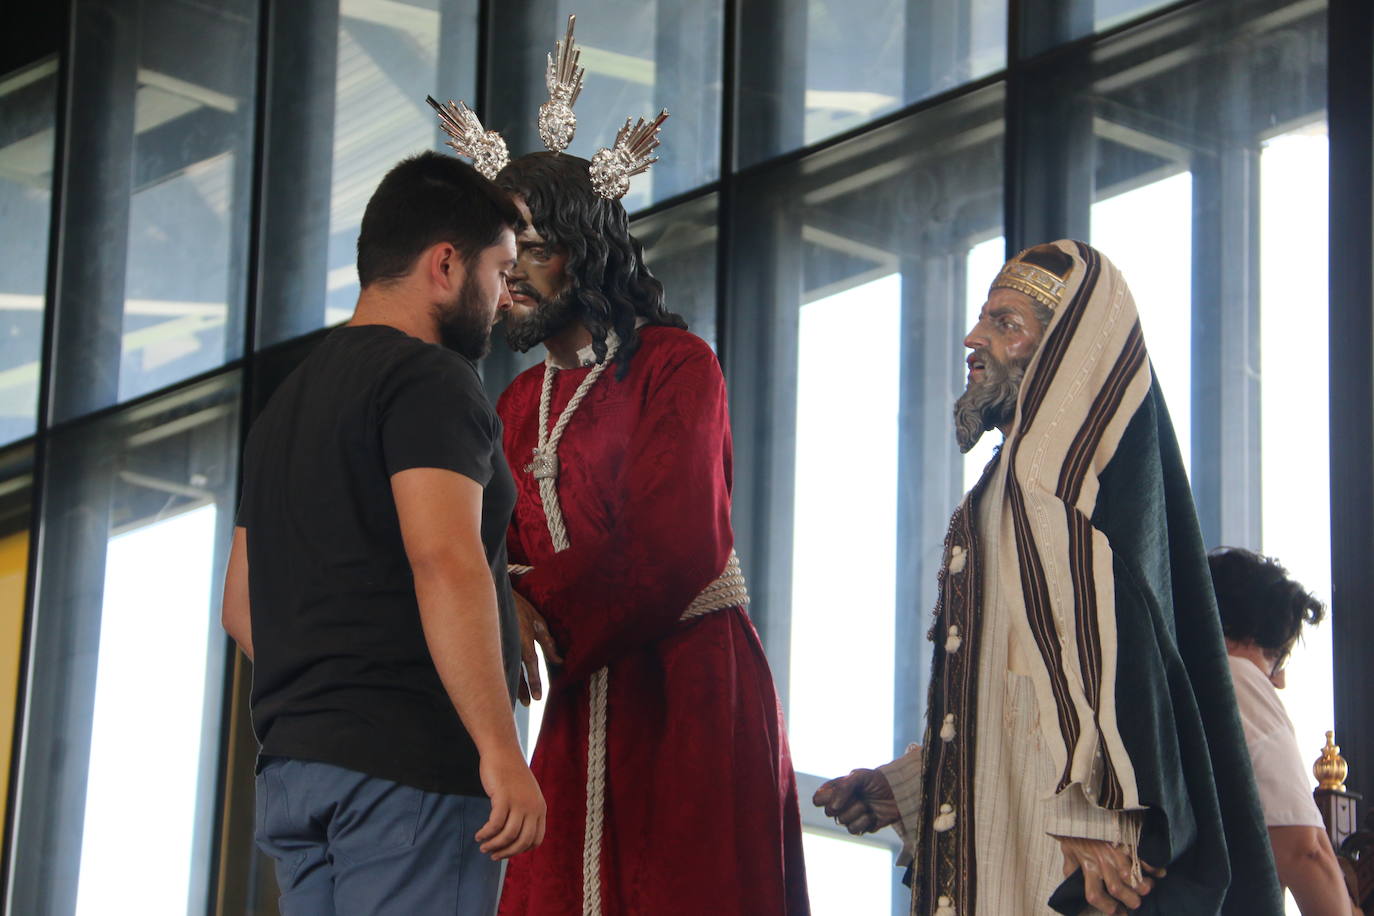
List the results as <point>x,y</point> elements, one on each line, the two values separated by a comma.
<point>610,169</point>
<point>1041,272</point>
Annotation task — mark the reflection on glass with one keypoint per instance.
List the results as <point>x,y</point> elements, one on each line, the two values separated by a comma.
<point>841,495</point>
<point>846,877</point>
<point>1295,475</point>
<point>157,604</point>
<point>680,249</point>
<point>176,303</point>
<point>155,227</point>
<point>980,267</point>
<point>867,58</point>
<point>1147,233</point>
<point>641,56</point>
<point>28,100</point>
<point>1046,23</point>
<point>861,59</point>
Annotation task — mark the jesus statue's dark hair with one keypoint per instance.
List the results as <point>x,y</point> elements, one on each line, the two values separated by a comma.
<point>609,280</point>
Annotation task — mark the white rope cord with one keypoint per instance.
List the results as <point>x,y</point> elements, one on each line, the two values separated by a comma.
<point>596,792</point>
<point>727,591</point>
<point>545,464</point>
<point>545,470</point>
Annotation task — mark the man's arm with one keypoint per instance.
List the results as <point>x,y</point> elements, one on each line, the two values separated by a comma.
<point>1307,866</point>
<point>234,612</point>
<point>441,515</point>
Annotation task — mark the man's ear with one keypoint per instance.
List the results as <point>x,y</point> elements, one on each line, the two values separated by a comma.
<point>443,267</point>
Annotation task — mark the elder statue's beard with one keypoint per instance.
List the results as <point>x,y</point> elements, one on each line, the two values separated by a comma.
<point>547,318</point>
<point>988,403</point>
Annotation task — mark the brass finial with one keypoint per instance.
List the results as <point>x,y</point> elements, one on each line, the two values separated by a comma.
<point>1330,768</point>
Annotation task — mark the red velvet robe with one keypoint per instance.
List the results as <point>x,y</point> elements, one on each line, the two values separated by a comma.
<point>701,803</point>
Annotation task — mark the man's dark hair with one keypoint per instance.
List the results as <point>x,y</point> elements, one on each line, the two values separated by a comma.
<point>609,280</point>
<point>424,200</point>
<point>1258,601</point>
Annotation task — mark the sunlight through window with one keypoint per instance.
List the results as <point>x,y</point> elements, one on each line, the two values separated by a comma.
<point>1295,457</point>
<point>1147,233</point>
<point>847,877</point>
<point>150,691</point>
<point>840,714</point>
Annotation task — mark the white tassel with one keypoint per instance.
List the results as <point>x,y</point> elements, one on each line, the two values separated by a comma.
<point>945,907</point>
<point>945,820</point>
<point>954,640</point>
<point>947,730</point>
<point>957,559</point>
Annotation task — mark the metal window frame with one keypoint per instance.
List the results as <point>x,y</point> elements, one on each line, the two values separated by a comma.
<point>1350,101</point>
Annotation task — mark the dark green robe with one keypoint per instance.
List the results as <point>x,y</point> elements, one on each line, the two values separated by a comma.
<point>1176,706</point>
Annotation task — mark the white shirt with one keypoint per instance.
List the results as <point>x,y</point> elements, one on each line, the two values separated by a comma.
<point>1284,781</point>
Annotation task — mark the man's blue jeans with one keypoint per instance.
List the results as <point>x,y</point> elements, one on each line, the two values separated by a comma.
<point>346,843</point>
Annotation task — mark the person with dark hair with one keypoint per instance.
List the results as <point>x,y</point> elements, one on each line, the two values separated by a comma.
<point>367,581</point>
<point>662,752</point>
<point>1262,614</point>
<point>1082,750</point>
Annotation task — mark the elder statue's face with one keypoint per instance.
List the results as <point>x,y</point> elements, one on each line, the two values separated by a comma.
<point>1003,341</point>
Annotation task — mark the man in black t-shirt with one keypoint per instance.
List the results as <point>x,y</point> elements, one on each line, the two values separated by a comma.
<point>367,579</point>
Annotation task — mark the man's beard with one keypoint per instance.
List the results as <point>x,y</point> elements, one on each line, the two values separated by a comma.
<point>464,326</point>
<point>547,317</point>
<point>988,403</point>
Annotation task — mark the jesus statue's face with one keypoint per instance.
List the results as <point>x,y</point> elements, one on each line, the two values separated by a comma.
<point>1002,344</point>
<point>540,305</point>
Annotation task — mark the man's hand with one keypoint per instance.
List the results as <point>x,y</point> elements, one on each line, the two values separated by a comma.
<point>1106,871</point>
<point>862,801</point>
<point>533,630</point>
<point>517,808</point>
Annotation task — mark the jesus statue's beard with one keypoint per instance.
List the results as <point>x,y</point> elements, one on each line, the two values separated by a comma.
<point>988,403</point>
<point>547,318</point>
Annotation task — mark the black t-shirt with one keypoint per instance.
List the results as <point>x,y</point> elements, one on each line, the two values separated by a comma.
<point>342,673</point>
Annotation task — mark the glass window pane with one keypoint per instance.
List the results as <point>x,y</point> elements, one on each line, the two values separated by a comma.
<point>1046,23</point>
<point>680,249</point>
<point>1296,480</point>
<point>126,667</point>
<point>863,246</point>
<point>640,56</point>
<point>28,105</point>
<point>155,228</point>
<point>349,80</point>
<point>811,71</point>
<point>847,877</point>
